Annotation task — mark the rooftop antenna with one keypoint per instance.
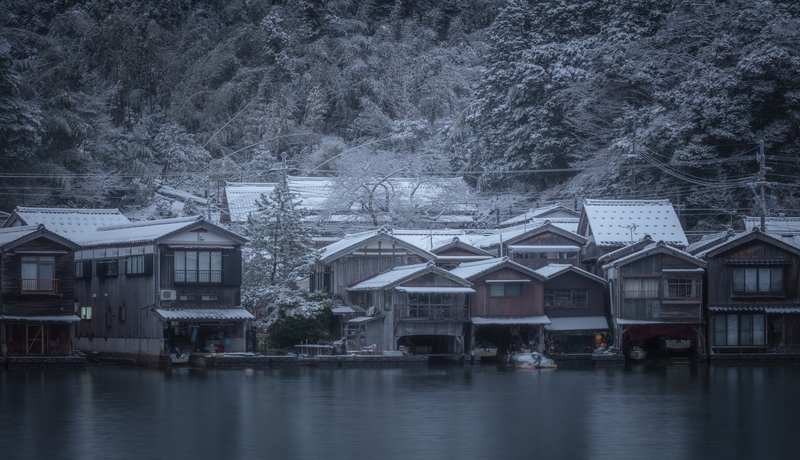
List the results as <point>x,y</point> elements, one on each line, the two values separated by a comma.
<point>631,227</point>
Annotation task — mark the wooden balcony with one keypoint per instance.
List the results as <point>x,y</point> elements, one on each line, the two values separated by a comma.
<point>432,312</point>
<point>39,286</point>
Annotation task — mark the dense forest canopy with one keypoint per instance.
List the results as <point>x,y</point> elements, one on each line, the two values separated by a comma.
<point>101,100</point>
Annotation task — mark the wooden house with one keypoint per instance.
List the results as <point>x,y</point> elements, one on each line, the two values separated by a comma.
<point>536,244</point>
<point>421,308</point>
<point>544,212</point>
<point>575,303</point>
<point>506,309</point>
<point>361,256</point>
<point>37,302</point>
<point>753,294</point>
<point>145,287</point>
<point>609,225</point>
<point>656,297</point>
<point>456,252</point>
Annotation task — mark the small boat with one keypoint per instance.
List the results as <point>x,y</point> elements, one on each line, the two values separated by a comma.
<point>532,360</point>
<point>178,357</point>
<point>637,354</point>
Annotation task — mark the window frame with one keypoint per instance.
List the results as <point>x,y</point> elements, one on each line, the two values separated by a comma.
<point>191,263</point>
<point>39,284</point>
<point>505,294</point>
<point>740,287</point>
<point>744,336</point>
<point>578,298</point>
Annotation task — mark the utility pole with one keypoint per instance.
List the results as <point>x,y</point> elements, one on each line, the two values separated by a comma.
<point>760,183</point>
<point>634,157</point>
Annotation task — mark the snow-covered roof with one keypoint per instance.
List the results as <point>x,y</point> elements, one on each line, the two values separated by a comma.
<point>553,210</point>
<point>11,234</point>
<point>657,248</point>
<point>569,225</point>
<point>478,320</point>
<point>146,232</point>
<point>552,270</point>
<point>579,323</point>
<point>350,242</point>
<point>313,193</point>
<point>783,225</point>
<point>203,314</point>
<point>793,242</point>
<point>404,273</point>
<point>620,222</point>
<point>181,195</point>
<point>67,222</point>
<point>471,270</point>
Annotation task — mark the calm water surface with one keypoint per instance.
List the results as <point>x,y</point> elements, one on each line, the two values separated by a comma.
<point>448,412</point>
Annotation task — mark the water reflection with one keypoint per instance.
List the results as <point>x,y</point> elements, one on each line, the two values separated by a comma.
<point>449,412</point>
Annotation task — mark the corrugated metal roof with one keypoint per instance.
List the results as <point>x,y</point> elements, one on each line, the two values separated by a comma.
<point>393,276</point>
<point>203,314</point>
<point>511,321</point>
<point>582,323</point>
<point>621,222</point>
<point>42,319</point>
<point>71,223</point>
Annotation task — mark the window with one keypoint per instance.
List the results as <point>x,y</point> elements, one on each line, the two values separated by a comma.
<point>187,298</point>
<point>86,313</point>
<point>640,288</point>
<point>505,289</point>
<point>198,266</point>
<point>107,268</point>
<point>209,298</point>
<point>546,255</point>
<point>757,279</point>
<point>38,275</point>
<point>682,289</point>
<point>566,298</point>
<point>83,269</point>
<point>430,298</point>
<point>138,265</point>
<point>739,330</point>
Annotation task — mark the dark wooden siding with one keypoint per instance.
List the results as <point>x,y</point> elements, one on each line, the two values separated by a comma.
<point>228,295</point>
<point>14,302</point>
<point>349,270</point>
<point>597,296</point>
<point>530,304</point>
<point>720,273</point>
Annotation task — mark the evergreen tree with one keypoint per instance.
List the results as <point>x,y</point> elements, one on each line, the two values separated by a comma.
<point>279,254</point>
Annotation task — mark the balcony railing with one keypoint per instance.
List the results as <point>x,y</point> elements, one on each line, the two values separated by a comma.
<point>433,312</point>
<point>39,285</point>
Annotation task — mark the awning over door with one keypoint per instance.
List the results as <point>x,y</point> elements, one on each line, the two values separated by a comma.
<point>204,314</point>
<point>41,319</point>
<point>480,321</point>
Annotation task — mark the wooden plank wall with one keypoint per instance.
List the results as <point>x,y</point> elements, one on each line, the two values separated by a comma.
<point>720,274</point>
<point>14,302</point>
<point>530,304</point>
<point>597,302</point>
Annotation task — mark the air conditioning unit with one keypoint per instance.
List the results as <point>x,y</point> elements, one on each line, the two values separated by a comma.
<point>168,294</point>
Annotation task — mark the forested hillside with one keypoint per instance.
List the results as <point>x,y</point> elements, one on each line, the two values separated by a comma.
<point>100,100</point>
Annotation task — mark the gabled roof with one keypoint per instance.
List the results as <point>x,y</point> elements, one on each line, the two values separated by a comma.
<point>709,241</point>
<point>546,227</point>
<point>554,270</point>
<point>14,236</point>
<point>67,222</point>
<point>151,231</point>
<point>349,243</point>
<point>754,234</point>
<point>782,225</point>
<point>657,248</point>
<point>619,222</point>
<point>472,270</point>
<point>401,274</point>
<point>567,224</point>
<point>553,210</point>
<point>623,251</point>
